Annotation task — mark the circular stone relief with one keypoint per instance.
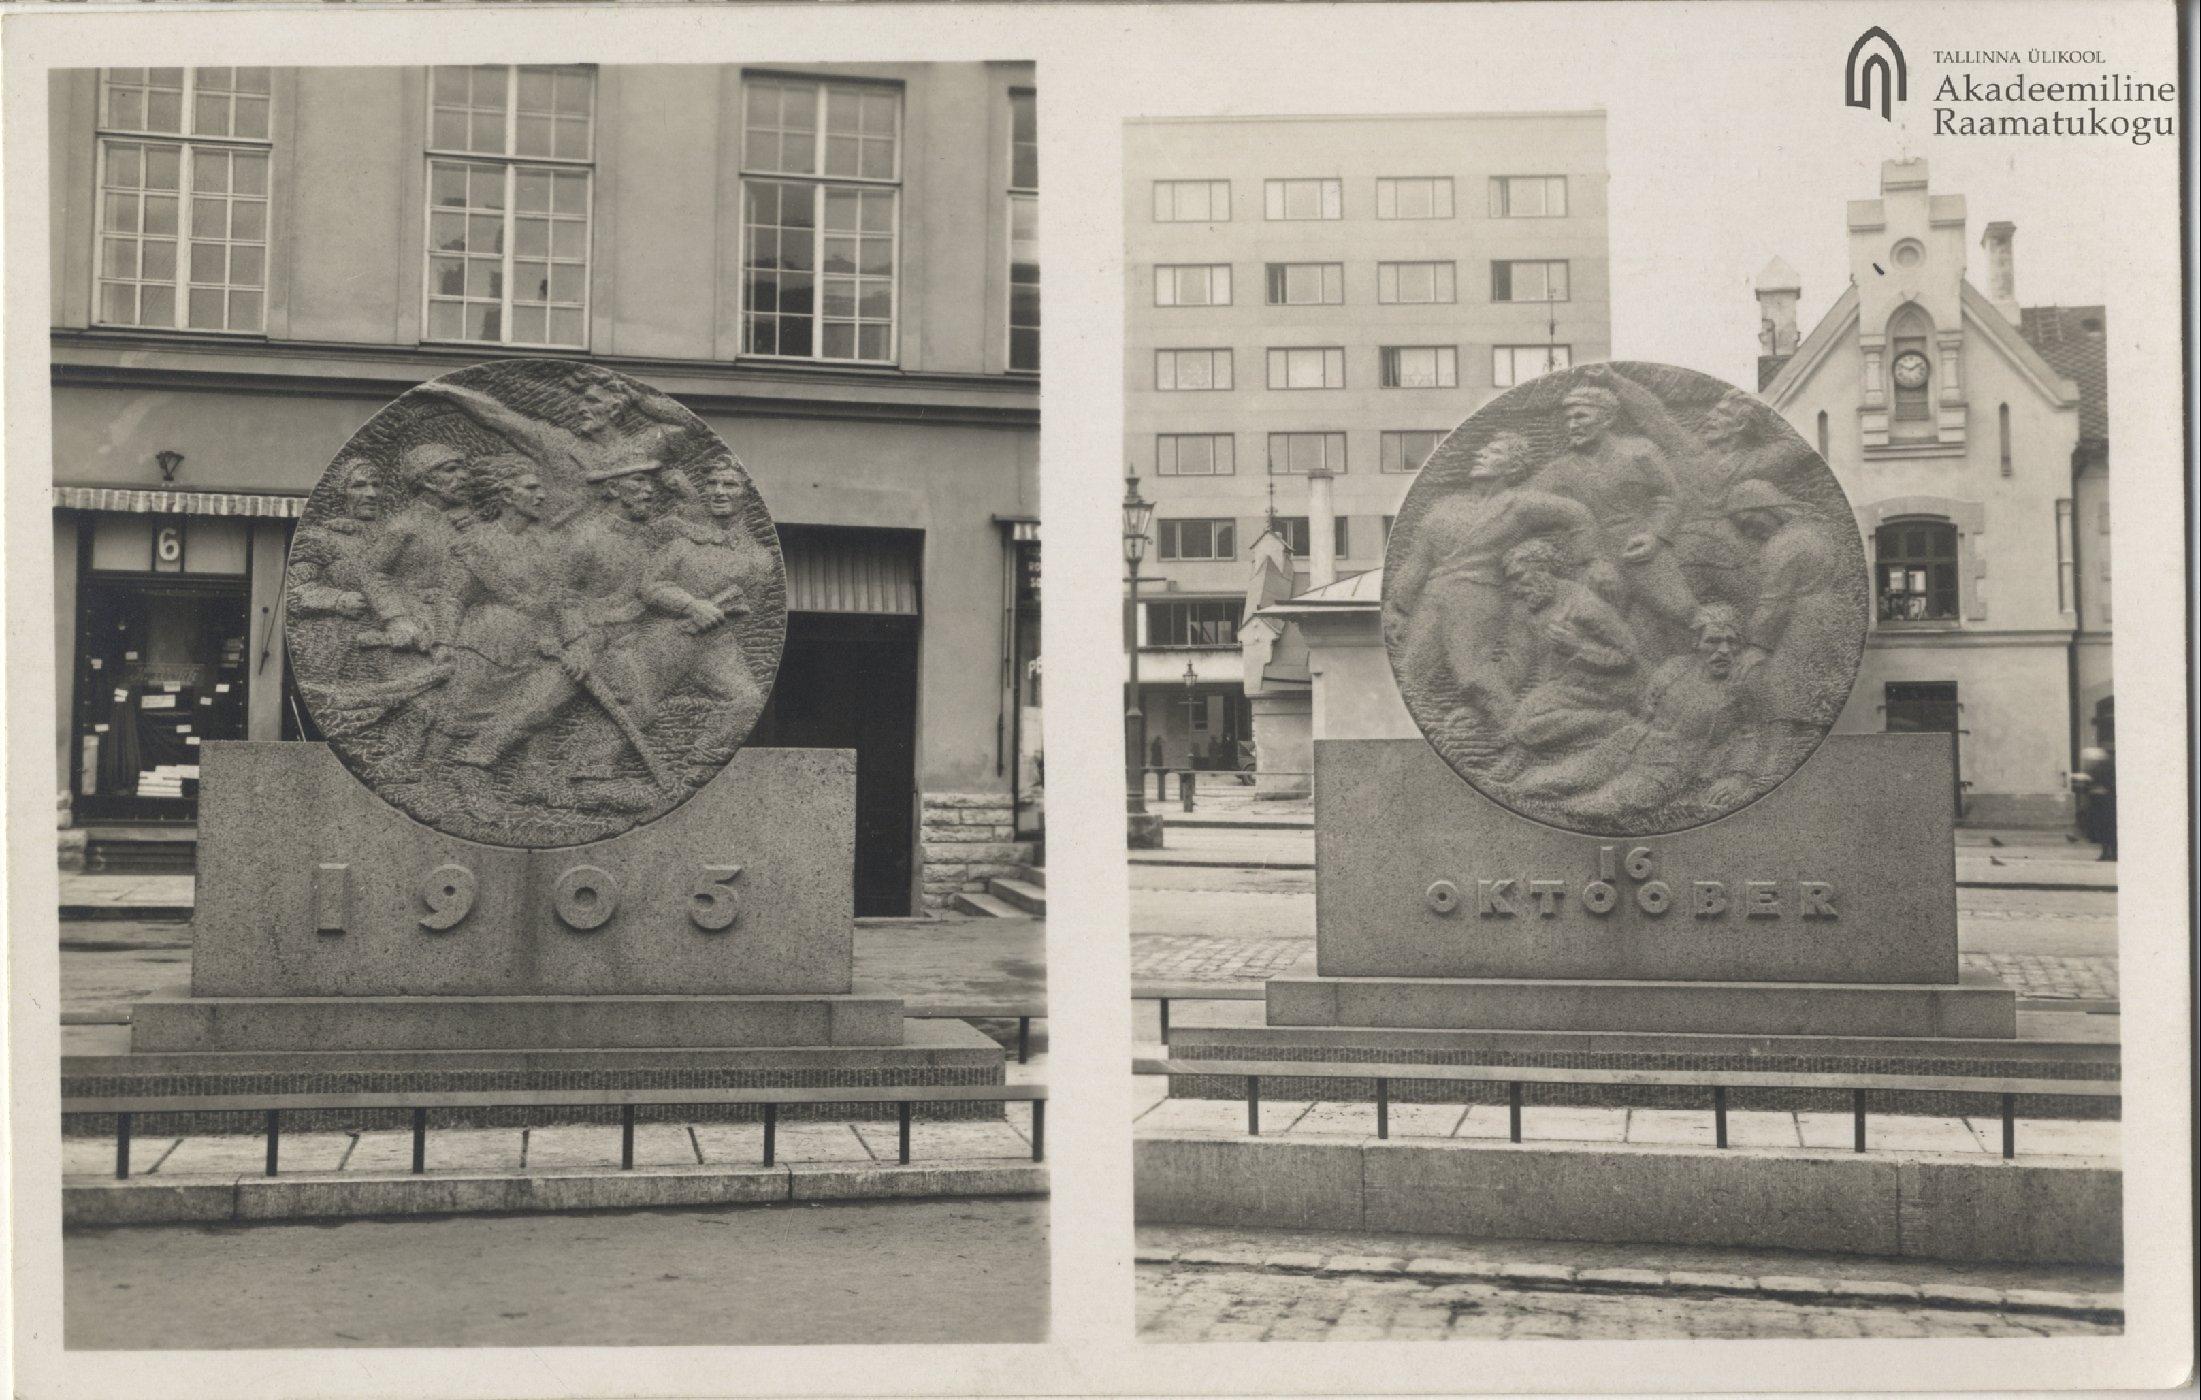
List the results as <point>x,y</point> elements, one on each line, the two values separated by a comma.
<point>535,603</point>
<point>1625,599</point>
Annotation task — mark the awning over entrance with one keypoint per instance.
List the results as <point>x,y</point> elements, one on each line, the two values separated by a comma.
<point>137,502</point>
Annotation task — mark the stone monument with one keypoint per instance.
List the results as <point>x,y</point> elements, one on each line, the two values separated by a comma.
<point>534,607</point>
<point>1625,604</point>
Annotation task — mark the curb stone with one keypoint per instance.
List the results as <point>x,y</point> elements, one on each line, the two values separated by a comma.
<point>1364,1264</point>
<point>1300,1263</point>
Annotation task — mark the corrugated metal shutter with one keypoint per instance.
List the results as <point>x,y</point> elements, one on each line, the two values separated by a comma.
<point>147,502</point>
<point>851,571</point>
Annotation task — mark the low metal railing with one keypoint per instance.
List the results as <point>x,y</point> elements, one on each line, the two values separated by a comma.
<point>1024,1012</point>
<point>1718,1081</point>
<point>1222,991</point>
<point>1189,780</point>
<point>626,1100</point>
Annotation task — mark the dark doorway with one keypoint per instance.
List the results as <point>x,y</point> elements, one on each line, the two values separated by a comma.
<point>1930,707</point>
<point>848,681</point>
<point>159,668</point>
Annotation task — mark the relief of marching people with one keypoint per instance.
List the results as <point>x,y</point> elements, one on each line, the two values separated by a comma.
<point>535,603</point>
<point>1625,599</point>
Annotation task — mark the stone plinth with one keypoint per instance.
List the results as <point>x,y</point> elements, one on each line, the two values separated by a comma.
<point>1843,874</point>
<point>312,886</point>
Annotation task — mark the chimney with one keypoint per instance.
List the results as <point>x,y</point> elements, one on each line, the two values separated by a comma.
<point>2002,272</point>
<point>1321,530</point>
<point>1779,289</point>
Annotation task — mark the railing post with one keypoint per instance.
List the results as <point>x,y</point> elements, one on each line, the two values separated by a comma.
<point>1383,1108</point>
<point>1023,1039</point>
<point>901,1113</point>
<point>1161,784</point>
<point>1253,1105</point>
<point>1184,788</point>
<point>2009,1126</point>
<point>1513,1110</point>
<point>274,1137</point>
<point>1857,1111</point>
<point>1039,1130</point>
<point>771,1130</point>
<point>1165,1021</point>
<point>420,1141</point>
<point>1719,1115</point>
<point>122,1147</point>
<point>626,1137</point>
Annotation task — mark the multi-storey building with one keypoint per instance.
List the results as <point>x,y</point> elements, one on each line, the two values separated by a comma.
<point>837,268</point>
<point>1312,296</point>
<point>1972,436</point>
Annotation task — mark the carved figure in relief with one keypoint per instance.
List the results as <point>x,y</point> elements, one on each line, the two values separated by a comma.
<point>406,570</point>
<point>326,560</point>
<point>1623,599</point>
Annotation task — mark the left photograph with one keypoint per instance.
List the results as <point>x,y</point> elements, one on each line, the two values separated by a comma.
<point>547,593</point>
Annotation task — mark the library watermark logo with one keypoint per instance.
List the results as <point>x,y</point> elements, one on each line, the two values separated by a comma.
<point>1875,74</point>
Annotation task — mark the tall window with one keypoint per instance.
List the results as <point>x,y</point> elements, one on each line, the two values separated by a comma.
<point>1824,441</point>
<point>1306,284</point>
<point>1342,533</point>
<point>820,211</point>
<point>2067,583</point>
<point>1293,530</point>
<point>2002,424</point>
<point>1191,201</point>
<point>509,153</point>
<point>1307,367</point>
<point>1192,284</point>
<point>1196,539</point>
<point>1200,622</point>
<point>1421,367</point>
<point>1194,454</point>
<point>1405,451</point>
<point>1415,197</point>
<point>1414,282</point>
<point>1528,281</point>
<point>182,222</point>
<point>1296,454</point>
<point>1528,196</point>
<point>1180,370</point>
<point>1023,231</point>
<point>1512,364</point>
<point>1305,199</point>
<point>1910,366</point>
<point>1915,566</point>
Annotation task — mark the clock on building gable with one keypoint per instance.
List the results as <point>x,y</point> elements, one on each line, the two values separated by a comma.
<point>1911,370</point>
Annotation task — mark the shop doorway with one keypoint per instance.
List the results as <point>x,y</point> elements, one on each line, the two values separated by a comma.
<point>849,681</point>
<point>160,668</point>
<point>1930,707</point>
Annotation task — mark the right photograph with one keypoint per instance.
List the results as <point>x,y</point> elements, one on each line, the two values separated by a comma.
<point>1622,833</point>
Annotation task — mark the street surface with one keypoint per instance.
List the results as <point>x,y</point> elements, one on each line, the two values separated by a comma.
<point>874,1272</point>
<point>1204,1284</point>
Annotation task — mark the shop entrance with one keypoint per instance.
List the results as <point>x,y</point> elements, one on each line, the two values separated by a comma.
<point>161,666</point>
<point>1930,707</point>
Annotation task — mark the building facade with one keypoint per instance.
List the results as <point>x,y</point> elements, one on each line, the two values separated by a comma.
<point>1312,303</point>
<point>1972,438</point>
<point>836,268</point>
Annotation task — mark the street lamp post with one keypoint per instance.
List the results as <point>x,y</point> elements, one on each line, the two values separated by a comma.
<point>1137,512</point>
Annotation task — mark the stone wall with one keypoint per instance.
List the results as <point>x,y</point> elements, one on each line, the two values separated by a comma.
<point>968,838</point>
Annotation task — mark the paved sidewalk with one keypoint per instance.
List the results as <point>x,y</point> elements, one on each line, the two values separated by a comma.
<point>132,896</point>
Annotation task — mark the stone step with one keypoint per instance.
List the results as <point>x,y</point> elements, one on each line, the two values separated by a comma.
<point>971,902</point>
<point>1025,896</point>
<point>1033,875</point>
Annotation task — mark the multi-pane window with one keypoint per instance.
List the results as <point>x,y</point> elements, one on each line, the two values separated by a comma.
<point>1192,284</point>
<point>1915,563</point>
<point>1528,196</point>
<point>1296,454</point>
<point>1514,364</point>
<point>1420,367</point>
<point>820,211</point>
<point>1292,529</point>
<point>1405,450</point>
<point>2067,583</point>
<point>1199,622</point>
<point>1414,282</point>
<point>1306,284</point>
<point>1023,231</point>
<point>1414,197</point>
<point>508,204</point>
<point>183,222</point>
<point>1528,281</point>
<point>1191,369</point>
<point>1307,367</point>
<point>1196,539</point>
<point>1305,199</point>
<point>1195,454</point>
<point>1191,201</point>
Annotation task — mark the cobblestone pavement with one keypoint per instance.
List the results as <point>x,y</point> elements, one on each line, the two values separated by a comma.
<point>1227,1284</point>
<point>1180,957</point>
<point>2048,976</point>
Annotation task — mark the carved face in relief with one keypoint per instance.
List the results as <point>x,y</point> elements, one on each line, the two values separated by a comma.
<point>1609,536</point>
<point>524,667</point>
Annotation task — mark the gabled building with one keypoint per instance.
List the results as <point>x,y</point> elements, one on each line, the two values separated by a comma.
<point>1972,438</point>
